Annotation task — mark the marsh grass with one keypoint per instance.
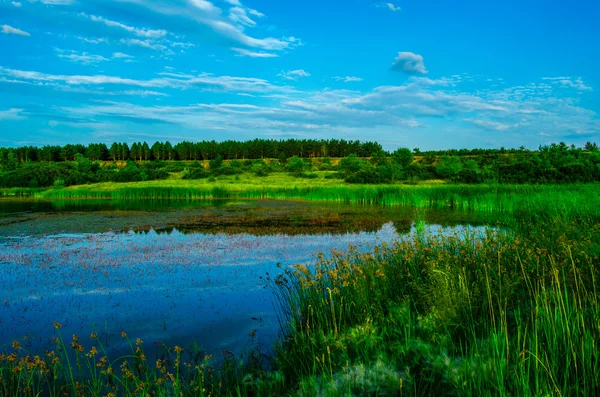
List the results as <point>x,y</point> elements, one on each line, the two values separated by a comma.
<point>469,315</point>
<point>481,198</point>
<point>508,312</point>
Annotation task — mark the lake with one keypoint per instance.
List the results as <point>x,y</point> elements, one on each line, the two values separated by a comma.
<point>174,273</point>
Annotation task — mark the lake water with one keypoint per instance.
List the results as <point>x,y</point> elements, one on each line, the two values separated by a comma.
<point>173,274</point>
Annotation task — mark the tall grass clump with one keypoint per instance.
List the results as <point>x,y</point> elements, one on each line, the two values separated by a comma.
<point>140,193</point>
<point>469,315</point>
<point>480,198</point>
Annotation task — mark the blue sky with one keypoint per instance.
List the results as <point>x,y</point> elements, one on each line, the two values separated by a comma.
<point>406,73</point>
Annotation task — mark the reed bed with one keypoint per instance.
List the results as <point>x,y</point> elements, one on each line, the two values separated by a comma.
<point>464,315</point>
<point>484,198</point>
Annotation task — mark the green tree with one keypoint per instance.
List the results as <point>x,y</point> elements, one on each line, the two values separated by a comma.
<point>379,158</point>
<point>295,165</point>
<point>449,167</point>
<point>403,157</point>
<point>351,164</point>
<point>216,163</point>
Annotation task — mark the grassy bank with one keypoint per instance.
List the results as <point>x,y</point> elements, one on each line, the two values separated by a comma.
<point>468,197</point>
<point>507,313</point>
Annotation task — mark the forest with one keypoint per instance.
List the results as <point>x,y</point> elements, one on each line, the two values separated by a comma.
<point>354,162</point>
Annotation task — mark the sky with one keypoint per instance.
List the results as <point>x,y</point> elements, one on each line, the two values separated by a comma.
<point>405,73</point>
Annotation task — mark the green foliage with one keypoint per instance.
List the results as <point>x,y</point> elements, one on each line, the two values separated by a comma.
<point>216,163</point>
<point>351,164</point>
<point>196,173</point>
<point>403,157</point>
<point>295,165</point>
<point>449,167</point>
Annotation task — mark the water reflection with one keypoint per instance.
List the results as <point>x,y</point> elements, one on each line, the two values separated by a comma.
<point>168,285</point>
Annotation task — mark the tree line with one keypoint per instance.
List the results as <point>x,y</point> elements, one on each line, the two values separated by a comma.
<point>364,163</point>
<point>204,150</point>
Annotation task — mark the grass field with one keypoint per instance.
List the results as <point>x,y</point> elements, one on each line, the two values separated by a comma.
<point>513,312</point>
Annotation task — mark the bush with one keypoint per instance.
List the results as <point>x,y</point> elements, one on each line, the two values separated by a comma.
<point>364,176</point>
<point>196,173</point>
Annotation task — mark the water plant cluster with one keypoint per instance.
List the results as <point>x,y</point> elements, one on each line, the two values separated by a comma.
<point>510,312</point>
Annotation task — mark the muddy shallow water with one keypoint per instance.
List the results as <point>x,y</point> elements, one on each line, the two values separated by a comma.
<point>173,274</point>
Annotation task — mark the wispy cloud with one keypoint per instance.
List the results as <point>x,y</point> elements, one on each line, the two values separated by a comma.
<point>293,74</point>
<point>204,81</point>
<point>96,40</point>
<point>57,2</point>
<point>348,79</point>
<point>140,32</point>
<point>409,62</point>
<point>145,44</point>
<point>576,83</point>
<point>229,25</point>
<point>254,54</point>
<point>489,125</point>
<point>389,6</point>
<point>238,15</point>
<point>10,30</point>
<point>83,57</point>
<point>120,55</point>
<point>11,114</point>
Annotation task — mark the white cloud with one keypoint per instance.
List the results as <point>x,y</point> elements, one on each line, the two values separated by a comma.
<point>205,13</point>
<point>96,40</point>
<point>58,2</point>
<point>16,3</point>
<point>392,7</point>
<point>238,15</point>
<point>293,74</point>
<point>576,83</point>
<point>120,55</point>
<point>11,114</point>
<point>84,58</point>
<point>182,45</point>
<point>410,63</point>
<point>145,44</point>
<point>167,80</point>
<point>489,125</point>
<point>256,13</point>
<point>140,32</point>
<point>348,79</point>
<point>10,30</point>
<point>234,2</point>
<point>388,6</point>
<point>254,54</point>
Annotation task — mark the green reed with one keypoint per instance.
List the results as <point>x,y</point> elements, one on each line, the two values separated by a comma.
<point>482,198</point>
<point>498,314</point>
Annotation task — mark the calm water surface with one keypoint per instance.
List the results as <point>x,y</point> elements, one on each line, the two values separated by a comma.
<point>163,286</point>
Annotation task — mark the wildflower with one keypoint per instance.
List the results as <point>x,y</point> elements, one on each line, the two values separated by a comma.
<point>92,352</point>
<point>123,334</point>
<point>93,335</point>
<point>138,342</point>
<point>178,349</point>
<point>16,345</point>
